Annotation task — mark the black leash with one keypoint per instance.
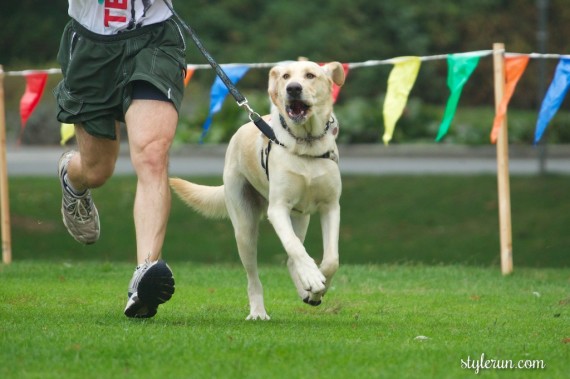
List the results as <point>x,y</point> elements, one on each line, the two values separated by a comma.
<point>239,98</point>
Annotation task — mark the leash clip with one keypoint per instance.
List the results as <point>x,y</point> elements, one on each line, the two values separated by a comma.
<point>253,115</point>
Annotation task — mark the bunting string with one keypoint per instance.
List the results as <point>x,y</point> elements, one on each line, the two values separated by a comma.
<point>353,65</point>
<point>400,83</point>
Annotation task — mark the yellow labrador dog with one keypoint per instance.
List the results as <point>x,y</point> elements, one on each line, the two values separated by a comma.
<point>288,179</point>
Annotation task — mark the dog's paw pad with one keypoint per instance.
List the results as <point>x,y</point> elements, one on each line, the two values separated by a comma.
<point>314,303</point>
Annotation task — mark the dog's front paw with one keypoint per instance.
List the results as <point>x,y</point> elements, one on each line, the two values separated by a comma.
<point>311,278</point>
<point>258,316</point>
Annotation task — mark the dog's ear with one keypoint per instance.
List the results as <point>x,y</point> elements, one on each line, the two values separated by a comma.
<point>274,75</point>
<point>336,72</point>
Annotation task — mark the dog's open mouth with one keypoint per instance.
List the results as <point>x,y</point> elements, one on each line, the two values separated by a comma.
<point>297,110</point>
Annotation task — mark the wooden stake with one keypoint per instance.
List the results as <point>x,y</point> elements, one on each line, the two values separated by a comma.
<point>4,195</point>
<point>503,165</point>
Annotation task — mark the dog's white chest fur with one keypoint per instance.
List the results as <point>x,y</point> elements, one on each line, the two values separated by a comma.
<point>303,183</point>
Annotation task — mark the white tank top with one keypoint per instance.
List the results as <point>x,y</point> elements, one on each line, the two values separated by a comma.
<point>113,16</point>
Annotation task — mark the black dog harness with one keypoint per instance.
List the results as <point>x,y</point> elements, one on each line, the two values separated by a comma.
<point>264,153</point>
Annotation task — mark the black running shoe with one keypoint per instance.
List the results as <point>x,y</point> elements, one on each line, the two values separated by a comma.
<point>152,284</point>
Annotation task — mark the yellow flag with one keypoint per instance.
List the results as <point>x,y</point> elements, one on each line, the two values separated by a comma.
<point>400,83</point>
<point>67,132</point>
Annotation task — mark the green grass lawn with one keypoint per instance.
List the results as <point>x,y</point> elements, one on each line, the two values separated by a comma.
<point>64,320</point>
<point>419,258</point>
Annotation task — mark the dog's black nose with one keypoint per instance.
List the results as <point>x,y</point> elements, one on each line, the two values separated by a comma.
<point>294,89</point>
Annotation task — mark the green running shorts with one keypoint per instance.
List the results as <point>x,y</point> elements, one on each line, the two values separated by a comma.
<point>98,72</point>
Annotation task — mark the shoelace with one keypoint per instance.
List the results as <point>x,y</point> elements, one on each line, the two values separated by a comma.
<point>79,208</point>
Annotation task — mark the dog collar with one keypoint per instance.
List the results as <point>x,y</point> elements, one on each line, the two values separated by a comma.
<point>309,139</point>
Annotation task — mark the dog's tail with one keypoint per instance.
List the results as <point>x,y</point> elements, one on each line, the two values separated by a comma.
<point>206,200</point>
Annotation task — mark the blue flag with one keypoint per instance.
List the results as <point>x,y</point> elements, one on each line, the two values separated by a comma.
<point>219,92</point>
<point>554,97</point>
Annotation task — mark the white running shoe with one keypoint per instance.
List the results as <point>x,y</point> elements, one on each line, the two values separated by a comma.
<point>152,284</point>
<point>80,215</point>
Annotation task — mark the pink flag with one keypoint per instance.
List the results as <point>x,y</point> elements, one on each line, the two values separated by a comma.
<point>514,68</point>
<point>35,84</point>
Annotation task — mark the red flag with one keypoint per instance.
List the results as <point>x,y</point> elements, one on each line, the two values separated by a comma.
<point>336,89</point>
<point>35,84</point>
<point>514,68</point>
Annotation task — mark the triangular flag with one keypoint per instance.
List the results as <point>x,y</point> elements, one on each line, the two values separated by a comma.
<point>514,68</point>
<point>67,132</point>
<point>35,84</point>
<point>460,68</point>
<point>400,83</point>
<point>219,92</point>
<point>188,76</point>
<point>336,88</point>
<point>554,96</point>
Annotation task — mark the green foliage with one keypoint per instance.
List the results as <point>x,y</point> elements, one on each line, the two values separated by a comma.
<point>31,31</point>
<point>64,320</point>
<point>258,31</point>
<point>360,121</point>
<point>270,31</point>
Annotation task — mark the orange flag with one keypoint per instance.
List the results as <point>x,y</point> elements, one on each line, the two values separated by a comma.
<point>514,68</point>
<point>189,73</point>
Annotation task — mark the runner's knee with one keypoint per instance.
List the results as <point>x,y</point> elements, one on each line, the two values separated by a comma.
<point>96,176</point>
<point>151,158</point>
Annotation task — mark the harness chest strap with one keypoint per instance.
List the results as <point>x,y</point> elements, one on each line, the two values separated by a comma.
<point>264,155</point>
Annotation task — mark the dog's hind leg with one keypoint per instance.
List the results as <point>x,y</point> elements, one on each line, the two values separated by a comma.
<point>245,211</point>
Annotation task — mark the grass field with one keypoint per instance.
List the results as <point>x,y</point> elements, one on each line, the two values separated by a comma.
<point>419,290</point>
<point>64,320</point>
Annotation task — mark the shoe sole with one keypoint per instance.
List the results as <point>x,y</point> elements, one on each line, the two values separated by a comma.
<point>139,310</point>
<point>155,287</point>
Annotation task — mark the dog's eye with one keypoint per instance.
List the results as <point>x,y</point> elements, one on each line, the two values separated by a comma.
<point>310,76</point>
<point>286,76</point>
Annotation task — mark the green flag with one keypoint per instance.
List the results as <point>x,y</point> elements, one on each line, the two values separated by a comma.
<point>460,68</point>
